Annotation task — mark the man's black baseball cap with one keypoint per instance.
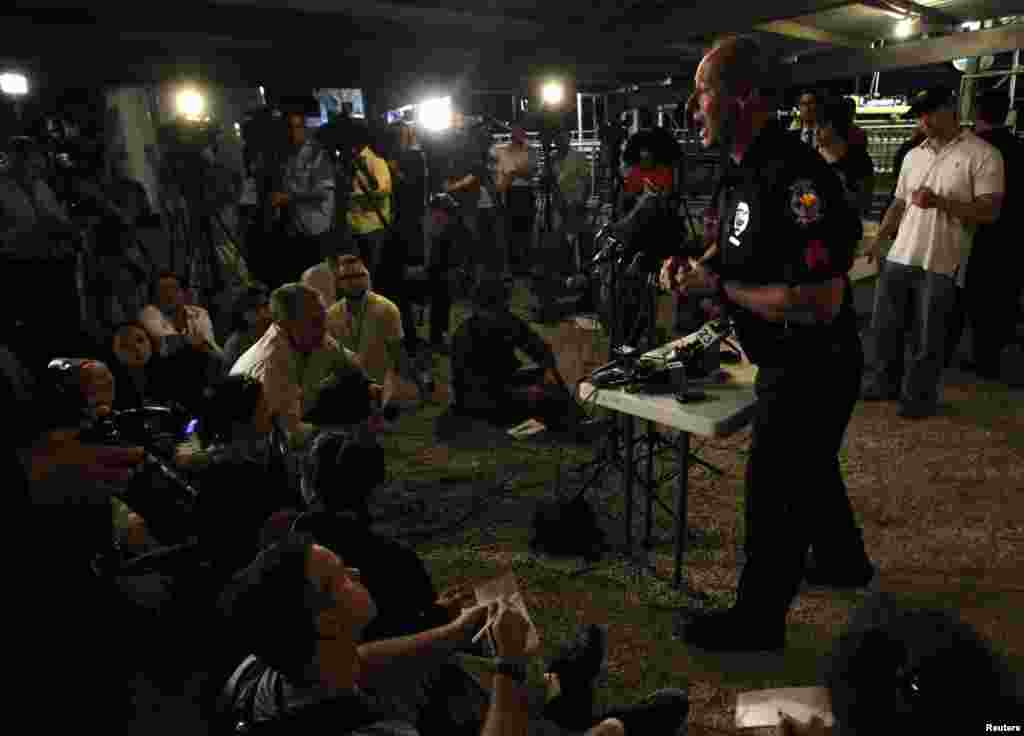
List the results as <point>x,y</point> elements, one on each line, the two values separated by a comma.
<point>930,100</point>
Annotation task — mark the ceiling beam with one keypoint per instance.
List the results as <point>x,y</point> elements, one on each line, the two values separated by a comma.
<point>933,15</point>
<point>792,29</point>
<point>848,64</point>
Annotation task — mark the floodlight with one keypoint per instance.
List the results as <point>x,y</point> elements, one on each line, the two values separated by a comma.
<point>552,93</point>
<point>904,28</point>
<point>14,84</point>
<point>191,104</point>
<point>436,114</point>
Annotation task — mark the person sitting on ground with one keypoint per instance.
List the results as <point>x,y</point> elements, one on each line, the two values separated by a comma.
<point>407,601</point>
<point>175,324</point>
<point>136,365</point>
<point>145,376</point>
<point>250,319</point>
<point>89,389</point>
<point>370,325</point>
<point>296,357</point>
<point>487,379</point>
<point>314,667</point>
<point>241,479</point>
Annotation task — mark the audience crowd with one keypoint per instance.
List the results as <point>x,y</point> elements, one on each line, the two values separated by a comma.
<point>246,473</point>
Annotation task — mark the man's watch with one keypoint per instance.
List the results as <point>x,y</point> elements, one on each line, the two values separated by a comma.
<point>513,667</point>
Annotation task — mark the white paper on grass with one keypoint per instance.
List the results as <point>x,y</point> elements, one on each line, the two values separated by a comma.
<point>527,428</point>
<point>760,708</point>
<point>507,588</point>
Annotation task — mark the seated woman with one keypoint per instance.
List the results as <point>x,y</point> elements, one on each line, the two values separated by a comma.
<point>134,364</point>
<point>145,377</point>
<point>250,318</point>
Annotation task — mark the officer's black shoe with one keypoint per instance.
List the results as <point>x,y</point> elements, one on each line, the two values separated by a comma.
<point>661,712</point>
<point>916,410</point>
<point>874,393</point>
<point>840,577</point>
<point>732,631</point>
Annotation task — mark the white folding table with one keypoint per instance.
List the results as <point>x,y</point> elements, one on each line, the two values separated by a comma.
<point>728,408</point>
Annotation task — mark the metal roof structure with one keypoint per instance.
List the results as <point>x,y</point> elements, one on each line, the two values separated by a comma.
<point>408,47</point>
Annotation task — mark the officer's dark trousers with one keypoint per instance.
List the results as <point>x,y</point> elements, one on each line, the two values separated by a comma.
<point>795,494</point>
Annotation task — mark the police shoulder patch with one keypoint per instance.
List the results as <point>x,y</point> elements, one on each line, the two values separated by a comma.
<point>805,204</point>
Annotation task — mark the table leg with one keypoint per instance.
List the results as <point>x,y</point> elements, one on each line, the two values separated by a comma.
<point>652,436</point>
<point>627,477</point>
<point>682,491</point>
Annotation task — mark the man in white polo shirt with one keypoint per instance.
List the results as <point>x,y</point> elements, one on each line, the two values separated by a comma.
<point>948,186</point>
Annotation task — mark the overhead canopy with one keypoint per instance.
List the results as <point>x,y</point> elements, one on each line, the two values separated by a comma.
<point>406,50</point>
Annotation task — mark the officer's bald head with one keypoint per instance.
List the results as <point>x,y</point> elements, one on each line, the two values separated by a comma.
<point>733,65</point>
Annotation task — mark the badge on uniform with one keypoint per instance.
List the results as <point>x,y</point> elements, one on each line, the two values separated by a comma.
<point>740,221</point>
<point>804,202</point>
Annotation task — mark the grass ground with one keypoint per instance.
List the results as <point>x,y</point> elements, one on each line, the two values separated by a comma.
<point>940,502</point>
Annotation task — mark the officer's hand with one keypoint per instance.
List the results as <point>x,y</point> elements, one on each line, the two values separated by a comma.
<point>279,199</point>
<point>697,277</point>
<point>669,269</point>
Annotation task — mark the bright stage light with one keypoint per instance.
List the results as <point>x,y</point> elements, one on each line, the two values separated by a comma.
<point>436,114</point>
<point>14,84</point>
<point>552,93</point>
<point>905,28</point>
<point>191,104</point>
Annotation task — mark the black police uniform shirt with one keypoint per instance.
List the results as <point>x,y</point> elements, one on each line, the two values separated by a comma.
<point>785,220</point>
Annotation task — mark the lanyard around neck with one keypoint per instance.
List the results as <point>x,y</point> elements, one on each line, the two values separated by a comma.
<point>357,333</point>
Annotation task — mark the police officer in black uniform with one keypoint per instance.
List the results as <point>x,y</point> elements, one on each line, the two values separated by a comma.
<point>786,243</point>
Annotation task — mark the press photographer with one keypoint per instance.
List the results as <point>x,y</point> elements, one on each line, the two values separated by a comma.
<point>61,507</point>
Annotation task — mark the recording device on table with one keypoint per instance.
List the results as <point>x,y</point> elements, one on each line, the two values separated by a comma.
<point>676,367</point>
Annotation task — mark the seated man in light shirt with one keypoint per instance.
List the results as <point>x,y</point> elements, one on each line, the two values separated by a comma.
<point>175,324</point>
<point>295,358</point>
<point>370,325</point>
